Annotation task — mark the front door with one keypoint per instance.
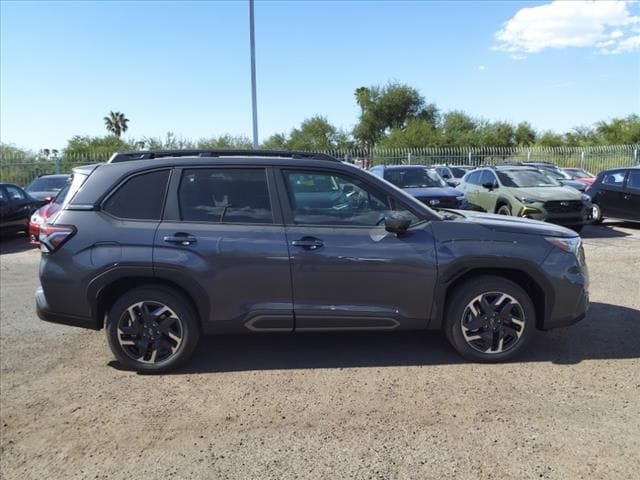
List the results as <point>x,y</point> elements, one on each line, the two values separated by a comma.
<point>347,272</point>
<point>611,194</point>
<point>631,195</point>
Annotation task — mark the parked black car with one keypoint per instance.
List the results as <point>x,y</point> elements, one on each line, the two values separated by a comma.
<point>424,183</point>
<point>159,247</point>
<point>616,193</point>
<point>16,207</point>
<point>46,187</point>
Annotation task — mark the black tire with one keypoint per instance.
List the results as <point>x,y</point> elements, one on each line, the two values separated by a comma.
<point>504,209</point>
<point>516,332</point>
<point>152,319</point>
<point>596,214</point>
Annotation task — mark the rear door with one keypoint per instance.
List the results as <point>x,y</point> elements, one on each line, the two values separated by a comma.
<point>632,195</point>
<point>349,273</point>
<point>471,188</point>
<point>222,237</point>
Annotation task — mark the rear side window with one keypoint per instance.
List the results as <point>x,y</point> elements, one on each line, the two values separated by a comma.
<point>634,179</point>
<point>220,195</point>
<point>140,197</point>
<point>614,178</point>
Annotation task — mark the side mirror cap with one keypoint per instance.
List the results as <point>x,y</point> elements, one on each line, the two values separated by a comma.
<point>397,225</point>
<point>489,185</point>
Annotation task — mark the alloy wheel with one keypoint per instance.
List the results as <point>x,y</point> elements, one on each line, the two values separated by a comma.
<point>493,322</point>
<point>150,332</point>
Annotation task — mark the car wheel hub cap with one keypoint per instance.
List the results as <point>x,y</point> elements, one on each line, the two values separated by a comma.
<point>493,322</point>
<point>150,332</point>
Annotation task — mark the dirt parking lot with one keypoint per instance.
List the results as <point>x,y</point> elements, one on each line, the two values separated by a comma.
<point>368,406</point>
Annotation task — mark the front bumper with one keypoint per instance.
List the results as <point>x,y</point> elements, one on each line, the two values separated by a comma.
<point>576,218</point>
<point>44,313</point>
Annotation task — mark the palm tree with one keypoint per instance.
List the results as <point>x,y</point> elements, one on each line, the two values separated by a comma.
<point>116,123</point>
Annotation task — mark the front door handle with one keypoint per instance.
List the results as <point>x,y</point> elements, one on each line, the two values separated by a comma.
<point>308,243</point>
<point>183,239</point>
<point>627,196</point>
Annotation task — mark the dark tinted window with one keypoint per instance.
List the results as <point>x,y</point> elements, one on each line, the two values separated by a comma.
<point>225,195</point>
<point>47,184</point>
<point>333,199</point>
<point>614,178</point>
<point>634,179</point>
<point>474,178</point>
<point>140,197</point>
<point>15,193</point>
<point>414,177</point>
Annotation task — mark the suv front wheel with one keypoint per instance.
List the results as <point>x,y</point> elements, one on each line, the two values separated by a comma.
<point>489,319</point>
<point>152,329</point>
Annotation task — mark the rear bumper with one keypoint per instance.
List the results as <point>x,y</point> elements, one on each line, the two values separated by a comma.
<point>44,313</point>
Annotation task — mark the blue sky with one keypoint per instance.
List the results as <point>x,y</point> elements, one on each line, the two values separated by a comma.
<point>184,66</point>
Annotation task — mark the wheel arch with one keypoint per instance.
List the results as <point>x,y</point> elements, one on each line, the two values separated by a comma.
<point>108,294</point>
<point>502,201</point>
<point>525,277</point>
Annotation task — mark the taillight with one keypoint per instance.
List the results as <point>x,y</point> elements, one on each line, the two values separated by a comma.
<point>52,237</point>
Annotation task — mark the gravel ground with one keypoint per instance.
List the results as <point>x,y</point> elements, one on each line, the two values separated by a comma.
<point>370,406</point>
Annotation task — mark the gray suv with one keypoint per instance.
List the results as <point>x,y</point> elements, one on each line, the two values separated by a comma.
<point>161,247</point>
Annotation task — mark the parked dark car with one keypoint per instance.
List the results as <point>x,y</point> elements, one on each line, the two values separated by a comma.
<point>46,187</point>
<point>424,183</point>
<point>452,174</point>
<point>616,193</point>
<point>159,247</point>
<point>16,206</point>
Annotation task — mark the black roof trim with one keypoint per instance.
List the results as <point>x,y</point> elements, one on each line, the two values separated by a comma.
<point>150,154</point>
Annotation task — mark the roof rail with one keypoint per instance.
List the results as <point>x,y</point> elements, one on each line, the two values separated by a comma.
<point>150,154</point>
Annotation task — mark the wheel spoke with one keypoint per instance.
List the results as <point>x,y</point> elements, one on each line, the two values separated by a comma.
<point>486,306</point>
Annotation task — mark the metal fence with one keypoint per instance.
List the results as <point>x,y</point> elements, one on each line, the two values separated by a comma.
<point>22,169</point>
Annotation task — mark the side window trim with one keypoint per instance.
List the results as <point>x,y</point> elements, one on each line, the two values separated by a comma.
<point>125,180</point>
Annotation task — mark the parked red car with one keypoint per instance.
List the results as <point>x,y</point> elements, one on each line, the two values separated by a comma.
<point>580,175</point>
<point>42,215</point>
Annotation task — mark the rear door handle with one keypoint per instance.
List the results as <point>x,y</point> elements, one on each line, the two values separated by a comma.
<point>183,239</point>
<point>308,243</point>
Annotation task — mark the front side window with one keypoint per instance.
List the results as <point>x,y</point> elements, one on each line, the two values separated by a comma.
<point>15,193</point>
<point>474,178</point>
<point>614,179</point>
<point>319,198</point>
<point>223,195</point>
<point>139,198</point>
<point>488,177</point>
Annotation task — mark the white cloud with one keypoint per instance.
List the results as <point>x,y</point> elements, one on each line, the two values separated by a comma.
<point>481,67</point>
<point>609,27</point>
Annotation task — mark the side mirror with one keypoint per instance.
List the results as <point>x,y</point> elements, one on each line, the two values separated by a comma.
<point>489,185</point>
<point>397,225</point>
<point>446,176</point>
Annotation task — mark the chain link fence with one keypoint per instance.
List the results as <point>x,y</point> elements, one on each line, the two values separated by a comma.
<point>21,169</point>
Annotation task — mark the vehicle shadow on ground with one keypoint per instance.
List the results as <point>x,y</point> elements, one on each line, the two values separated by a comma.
<point>608,332</point>
<point>607,230</point>
<point>14,243</point>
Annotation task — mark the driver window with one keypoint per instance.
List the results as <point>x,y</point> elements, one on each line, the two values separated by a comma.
<point>319,198</point>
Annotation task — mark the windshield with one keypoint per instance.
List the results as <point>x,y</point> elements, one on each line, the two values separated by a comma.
<point>578,174</point>
<point>414,178</point>
<point>555,173</point>
<point>47,184</point>
<point>526,178</point>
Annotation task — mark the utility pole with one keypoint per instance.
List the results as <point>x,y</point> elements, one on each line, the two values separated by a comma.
<point>254,106</point>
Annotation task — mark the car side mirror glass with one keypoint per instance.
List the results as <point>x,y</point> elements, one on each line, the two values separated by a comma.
<point>396,224</point>
<point>489,185</point>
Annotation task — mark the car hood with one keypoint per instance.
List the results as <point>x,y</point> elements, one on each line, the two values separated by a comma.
<point>433,192</point>
<point>544,194</point>
<point>505,223</point>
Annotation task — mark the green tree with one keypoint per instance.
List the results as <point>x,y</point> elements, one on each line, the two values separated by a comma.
<point>116,123</point>
<point>277,141</point>
<point>459,129</point>
<point>226,141</point>
<point>620,131</point>
<point>550,139</point>
<point>525,135</point>
<point>316,134</point>
<point>497,134</point>
<point>84,149</point>
<point>418,133</point>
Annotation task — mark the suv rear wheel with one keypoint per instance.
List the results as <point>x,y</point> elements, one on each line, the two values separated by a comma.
<point>152,329</point>
<point>504,209</point>
<point>489,319</point>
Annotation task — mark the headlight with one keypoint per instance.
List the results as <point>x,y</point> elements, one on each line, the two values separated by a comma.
<point>527,201</point>
<point>570,245</point>
<point>36,219</point>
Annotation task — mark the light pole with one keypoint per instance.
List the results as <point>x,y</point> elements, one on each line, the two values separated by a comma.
<point>254,106</point>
